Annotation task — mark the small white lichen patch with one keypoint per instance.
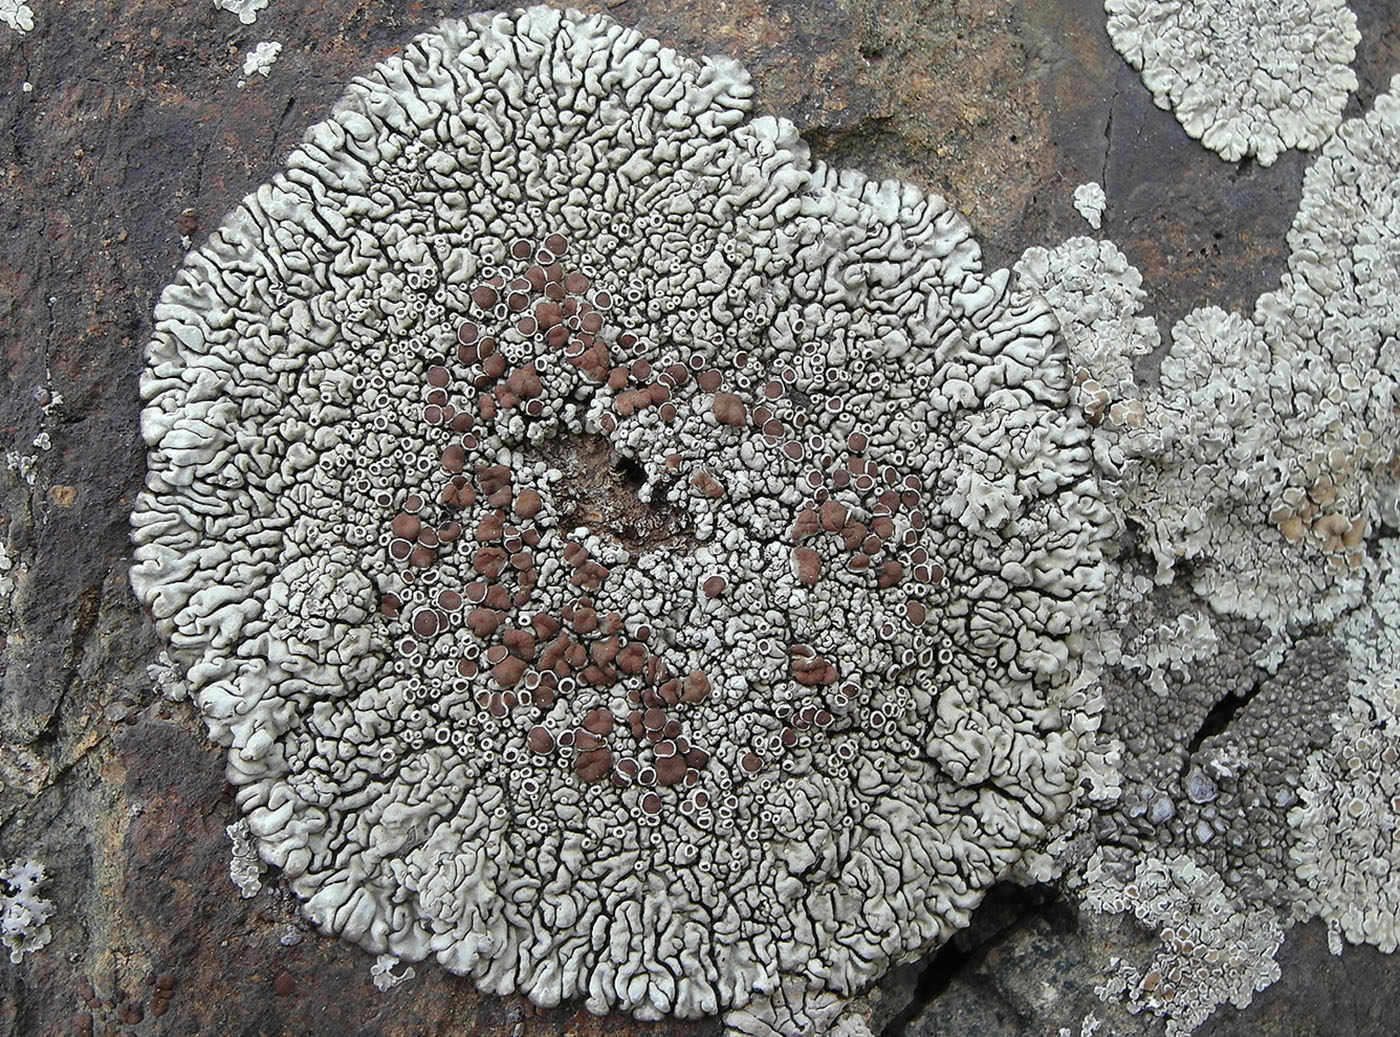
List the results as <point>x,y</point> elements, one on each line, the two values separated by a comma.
<point>18,15</point>
<point>1245,77</point>
<point>245,868</point>
<point>383,974</point>
<point>1088,1026</point>
<point>1090,201</point>
<point>247,10</point>
<point>167,678</point>
<point>24,915</point>
<point>8,572</point>
<point>48,399</point>
<point>260,59</point>
<point>1213,948</point>
<point>23,465</point>
<point>26,465</point>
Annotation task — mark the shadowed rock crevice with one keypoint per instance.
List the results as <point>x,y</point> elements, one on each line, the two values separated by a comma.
<point>1007,911</point>
<point>1219,717</point>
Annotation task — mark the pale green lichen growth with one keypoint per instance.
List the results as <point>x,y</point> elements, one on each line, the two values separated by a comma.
<point>1096,295</point>
<point>1212,948</point>
<point>1264,454</point>
<point>1245,77</point>
<point>1348,853</point>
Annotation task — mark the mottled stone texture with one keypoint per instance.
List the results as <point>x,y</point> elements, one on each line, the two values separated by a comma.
<point>135,116</point>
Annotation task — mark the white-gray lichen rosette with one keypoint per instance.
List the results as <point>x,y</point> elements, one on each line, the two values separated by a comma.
<point>789,710</point>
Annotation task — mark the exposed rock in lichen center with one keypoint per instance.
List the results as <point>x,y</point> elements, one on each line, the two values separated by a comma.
<point>600,490</point>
